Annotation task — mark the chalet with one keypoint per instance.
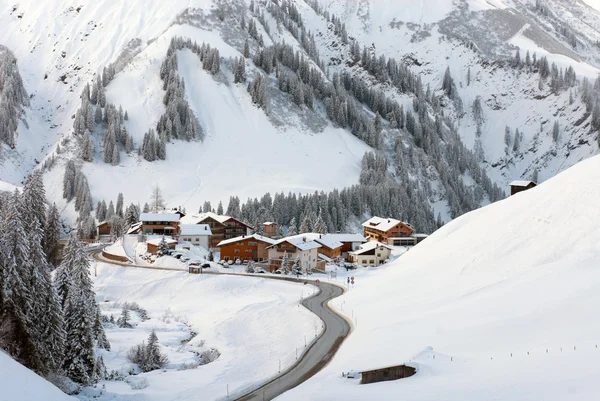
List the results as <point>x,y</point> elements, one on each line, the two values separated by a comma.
<point>153,244</point>
<point>520,186</point>
<point>160,223</point>
<point>196,234</point>
<point>103,228</point>
<point>350,242</point>
<point>246,247</point>
<point>381,229</point>
<point>270,229</point>
<point>373,253</point>
<point>222,227</point>
<point>297,247</point>
<point>330,247</point>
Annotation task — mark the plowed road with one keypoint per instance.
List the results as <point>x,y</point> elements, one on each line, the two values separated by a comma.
<point>315,358</point>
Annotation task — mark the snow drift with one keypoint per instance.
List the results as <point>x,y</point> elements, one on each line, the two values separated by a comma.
<point>505,296</point>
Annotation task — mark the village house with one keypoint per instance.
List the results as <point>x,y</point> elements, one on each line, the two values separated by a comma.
<point>196,234</point>
<point>385,230</point>
<point>297,247</point>
<point>350,242</point>
<point>270,229</point>
<point>153,244</point>
<point>222,227</point>
<point>103,228</point>
<point>245,247</point>
<point>520,186</point>
<point>160,223</point>
<point>330,247</point>
<point>373,253</point>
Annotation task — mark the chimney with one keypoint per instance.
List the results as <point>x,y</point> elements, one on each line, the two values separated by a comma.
<point>320,236</point>
<point>303,239</point>
<point>388,220</point>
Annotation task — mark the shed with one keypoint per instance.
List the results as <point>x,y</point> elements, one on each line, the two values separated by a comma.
<point>520,186</point>
<point>386,374</point>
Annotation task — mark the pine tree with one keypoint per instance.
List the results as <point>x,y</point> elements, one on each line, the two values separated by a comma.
<point>298,268</point>
<point>320,226</point>
<point>292,230</point>
<point>306,225</point>
<point>285,264</point>
<point>124,320</point>
<point>163,247</point>
<point>246,49</point>
<point>16,324</point>
<point>119,207</point>
<point>517,141</point>
<point>154,358</point>
<point>110,212</point>
<point>146,208</point>
<point>555,131</point>
<point>52,234</point>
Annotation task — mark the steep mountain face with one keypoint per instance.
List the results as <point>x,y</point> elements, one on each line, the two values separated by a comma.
<point>301,90</point>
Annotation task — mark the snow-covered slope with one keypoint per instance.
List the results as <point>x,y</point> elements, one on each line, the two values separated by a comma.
<point>505,296</point>
<point>17,383</point>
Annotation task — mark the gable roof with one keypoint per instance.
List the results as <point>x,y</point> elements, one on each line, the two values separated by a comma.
<point>521,183</point>
<point>328,241</point>
<point>303,242</point>
<point>379,223</point>
<point>343,237</point>
<point>247,237</point>
<point>369,246</point>
<point>169,217</point>
<point>134,228</point>
<point>194,229</point>
<point>200,217</point>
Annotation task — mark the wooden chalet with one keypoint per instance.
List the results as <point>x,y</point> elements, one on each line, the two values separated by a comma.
<point>520,186</point>
<point>246,247</point>
<point>382,229</point>
<point>222,227</point>
<point>160,223</point>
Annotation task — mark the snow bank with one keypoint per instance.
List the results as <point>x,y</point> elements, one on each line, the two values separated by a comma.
<point>506,296</point>
<point>17,383</point>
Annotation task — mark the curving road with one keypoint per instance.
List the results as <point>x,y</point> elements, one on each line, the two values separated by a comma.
<point>319,353</point>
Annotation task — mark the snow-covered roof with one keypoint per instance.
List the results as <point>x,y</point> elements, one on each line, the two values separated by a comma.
<point>268,223</point>
<point>342,237</point>
<point>134,227</point>
<point>301,241</point>
<point>194,229</point>
<point>325,258</point>
<point>382,224</point>
<point>156,241</point>
<point>170,217</point>
<point>329,241</point>
<point>247,237</point>
<point>200,217</point>
<point>102,223</point>
<point>521,183</point>
<point>369,246</point>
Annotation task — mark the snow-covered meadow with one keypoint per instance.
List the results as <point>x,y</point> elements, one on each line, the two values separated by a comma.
<point>498,304</point>
<point>252,322</point>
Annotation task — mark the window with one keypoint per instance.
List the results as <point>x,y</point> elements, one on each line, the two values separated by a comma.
<point>236,251</point>
<point>371,262</point>
<point>226,258</point>
<point>378,255</point>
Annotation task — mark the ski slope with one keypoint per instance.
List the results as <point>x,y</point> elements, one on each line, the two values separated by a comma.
<point>498,304</point>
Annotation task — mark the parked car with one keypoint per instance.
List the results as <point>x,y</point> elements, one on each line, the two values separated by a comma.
<point>194,263</point>
<point>230,262</point>
<point>276,272</point>
<point>205,265</point>
<point>184,259</point>
<point>177,255</point>
<point>245,262</point>
<point>221,262</point>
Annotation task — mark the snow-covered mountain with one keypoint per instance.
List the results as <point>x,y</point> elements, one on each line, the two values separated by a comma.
<point>487,306</point>
<point>61,46</point>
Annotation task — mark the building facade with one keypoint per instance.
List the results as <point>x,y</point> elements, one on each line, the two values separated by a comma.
<point>297,248</point>
<point>196,234</point>
<point>371,254</point>
<point>222,227</point>
<point>270,229</point>
<point>160,224</point>
<point>381,229</point>
<point>246,247</point>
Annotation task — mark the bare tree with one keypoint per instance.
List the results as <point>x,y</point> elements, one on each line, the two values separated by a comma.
<point>156,199</point>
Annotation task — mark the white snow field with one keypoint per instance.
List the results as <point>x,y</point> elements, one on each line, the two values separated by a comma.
<point>253,322</point>
<point>505,296</point>
<point>20,384</point>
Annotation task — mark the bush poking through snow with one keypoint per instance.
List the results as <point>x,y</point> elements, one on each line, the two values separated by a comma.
<point>133,306</point>
<point>148,357</point>
<point>137,383</point>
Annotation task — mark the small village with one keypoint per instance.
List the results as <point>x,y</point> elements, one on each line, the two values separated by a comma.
<point>198,239</point>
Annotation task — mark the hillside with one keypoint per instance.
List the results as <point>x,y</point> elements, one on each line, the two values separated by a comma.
<point>492,303</point>
<point>460,116</point>
<point>21,384</point>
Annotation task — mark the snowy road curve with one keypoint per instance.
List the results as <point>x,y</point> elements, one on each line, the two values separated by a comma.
<point>316,357</point>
